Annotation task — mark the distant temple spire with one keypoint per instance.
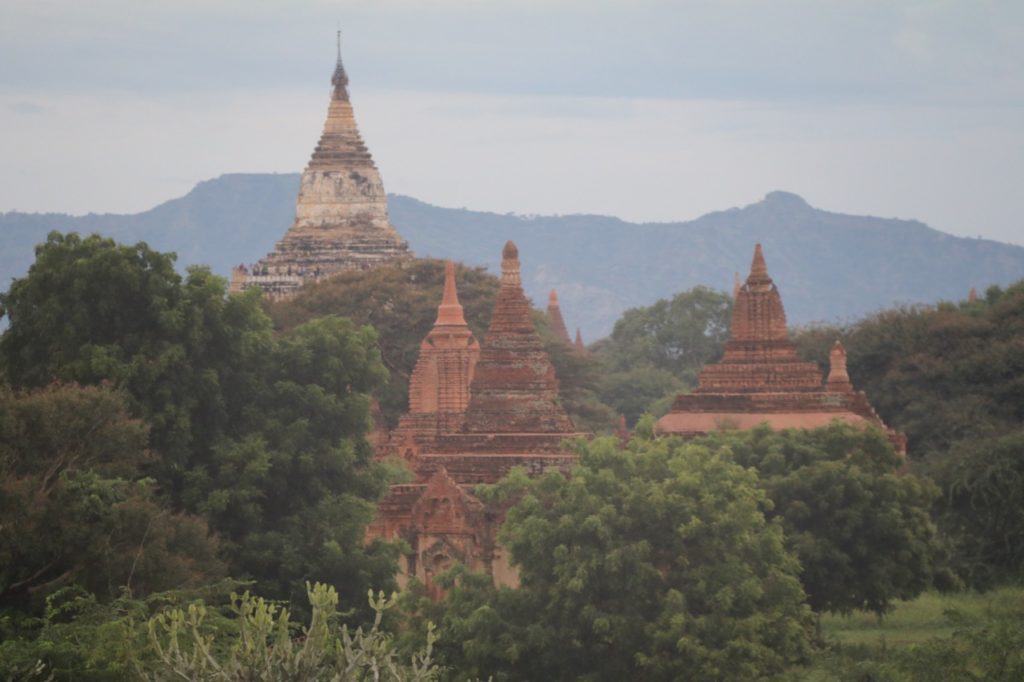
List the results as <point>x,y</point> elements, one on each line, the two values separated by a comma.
<point>580,346</point>
<point>736,284</point>
<point>341,212</point>
<point>757,314</point>
<point>972,295</point>
<point>340,79</point>
<point>557,321</point>
<point>514,387</point>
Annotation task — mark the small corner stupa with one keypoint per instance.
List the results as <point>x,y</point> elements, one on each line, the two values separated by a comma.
<point>341,214</point>
<point>760,378</point>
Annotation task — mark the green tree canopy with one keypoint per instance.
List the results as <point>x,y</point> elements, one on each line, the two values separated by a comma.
<point>262,434</point>
<point>952,378</point>
<point>74,509</point>
<point>656,562</point>
<point>656,350</point>
<point>861,528</point>
<point>400,302</point>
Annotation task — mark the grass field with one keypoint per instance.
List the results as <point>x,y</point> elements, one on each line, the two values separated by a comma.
<point>862,647</point>
<point>919,620</point>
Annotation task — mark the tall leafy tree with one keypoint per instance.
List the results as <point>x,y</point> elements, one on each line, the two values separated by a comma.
<point>655,350</point>
<point>263,434</point>
<point>74,508</point>
<point>656,562</point>
<point>400,302</point>
<point>952,378</point>
<point>861,528</point>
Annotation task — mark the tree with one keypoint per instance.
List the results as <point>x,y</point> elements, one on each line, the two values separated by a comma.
<point>652,563</point>
<point>400,302</point>
<point>74,508</point>
<point>91,310</point>
<point>861,528</point>
<point>262,434</point>
<point>655,351</point>
<point>952,378</point>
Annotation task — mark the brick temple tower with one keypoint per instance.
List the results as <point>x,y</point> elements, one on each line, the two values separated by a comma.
<point>341,214</point>
<point>512,418</point>
<point>439,385</point>
<point>760,377</point>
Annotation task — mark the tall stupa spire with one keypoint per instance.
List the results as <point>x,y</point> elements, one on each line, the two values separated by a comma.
<point>340,79</point>
<point>341,213</point>
<point>556,319</point>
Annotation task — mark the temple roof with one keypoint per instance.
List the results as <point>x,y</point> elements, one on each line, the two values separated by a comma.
<point>760,377</point>
<point>514,389</point>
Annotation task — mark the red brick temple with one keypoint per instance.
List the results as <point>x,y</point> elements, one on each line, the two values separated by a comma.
<point>760,378</point>
<point>474,413</point>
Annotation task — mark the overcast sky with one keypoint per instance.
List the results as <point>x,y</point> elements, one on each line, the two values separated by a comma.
<point>644,109</point>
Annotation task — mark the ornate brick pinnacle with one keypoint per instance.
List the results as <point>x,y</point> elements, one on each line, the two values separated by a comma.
<point>449,313</point>
<point>580,346</point>
<point>555,315</point>
<point>838,379</point>
<point>439,383</point>
<point>757,314</point>
<point>510,264</point>
<point>514,387</point>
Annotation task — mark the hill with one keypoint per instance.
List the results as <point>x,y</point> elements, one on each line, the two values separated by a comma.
<point>828,265</point>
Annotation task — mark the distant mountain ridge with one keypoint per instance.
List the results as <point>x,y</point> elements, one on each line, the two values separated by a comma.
<point>827,265</point>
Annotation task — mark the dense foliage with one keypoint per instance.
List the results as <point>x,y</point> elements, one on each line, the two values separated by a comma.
<point>74,508</point>
<point>860,527</point>
<point>655,352</point>
<point>656,562</point>
<point>400,302</point>
<point>261,435</point>
<point>952,378</point>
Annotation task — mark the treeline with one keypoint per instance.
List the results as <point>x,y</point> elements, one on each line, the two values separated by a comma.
<point>168,452</point>
<point>952,378</point>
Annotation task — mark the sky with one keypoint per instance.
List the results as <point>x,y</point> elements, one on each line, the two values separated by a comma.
<point>650,110</point>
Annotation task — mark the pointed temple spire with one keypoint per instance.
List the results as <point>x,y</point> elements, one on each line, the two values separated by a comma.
<point>761,379</point>
<point>757,314</point>
<point>580,346</point>
<point>341,213</point>
<point>736,284</point>
<point>449,313</point>
<point>514,387</point>
<point>838,379</point>
<point>340,79</point>
<point>972,295</point>
<point>440,380</point>
<point>557,321</point>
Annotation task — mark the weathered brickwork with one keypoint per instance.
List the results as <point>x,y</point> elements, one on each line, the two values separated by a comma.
<point>760,377</point>
<point>489,409</point>
<point>341,214</point>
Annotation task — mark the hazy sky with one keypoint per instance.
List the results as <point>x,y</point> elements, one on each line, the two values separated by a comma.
<point>644,109</point>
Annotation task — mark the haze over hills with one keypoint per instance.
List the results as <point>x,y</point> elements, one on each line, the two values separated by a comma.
<point>828,265</point>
